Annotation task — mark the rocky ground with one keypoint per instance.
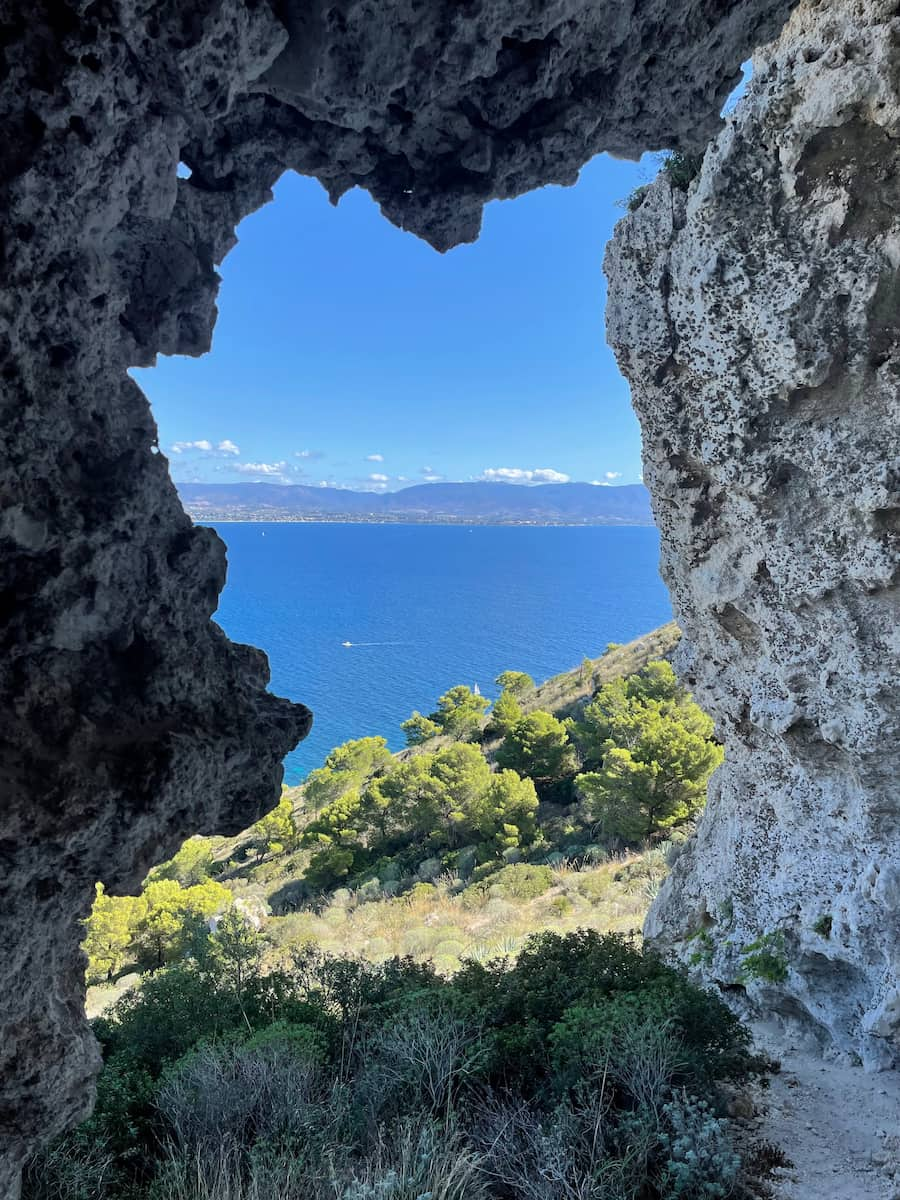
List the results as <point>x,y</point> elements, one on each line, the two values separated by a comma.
<point>837,1124</point>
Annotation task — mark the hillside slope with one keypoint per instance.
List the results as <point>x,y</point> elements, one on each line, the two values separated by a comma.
<point>427,908</point>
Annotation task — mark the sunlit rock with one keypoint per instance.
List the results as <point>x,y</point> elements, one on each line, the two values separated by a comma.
<point>756,316</point>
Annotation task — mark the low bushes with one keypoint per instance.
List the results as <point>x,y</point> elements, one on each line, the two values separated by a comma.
<point>584,1068</point>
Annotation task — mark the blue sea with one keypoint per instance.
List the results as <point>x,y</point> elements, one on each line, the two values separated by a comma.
<point>427,607</point>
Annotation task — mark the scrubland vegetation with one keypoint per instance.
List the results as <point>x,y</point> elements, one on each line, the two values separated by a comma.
<point>581,1069</point>
<point>419,977</point>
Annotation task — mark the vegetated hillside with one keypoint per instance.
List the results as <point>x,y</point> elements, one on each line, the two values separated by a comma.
<point>402,983</point>
<point>440,851</point>
<point>499,1043</point>
<point>489,502</point>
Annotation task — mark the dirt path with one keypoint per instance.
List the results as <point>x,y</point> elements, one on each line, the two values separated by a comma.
<point>839,1126</point>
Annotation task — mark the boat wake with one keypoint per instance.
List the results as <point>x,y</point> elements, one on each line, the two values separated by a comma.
<point>356,644</point>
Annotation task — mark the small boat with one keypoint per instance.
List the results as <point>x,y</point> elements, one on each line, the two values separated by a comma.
<point>476,690</point>
<point>346,643</point>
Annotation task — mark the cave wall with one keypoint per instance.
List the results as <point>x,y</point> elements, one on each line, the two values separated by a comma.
<point>129,719</point>
<point>756,317</point>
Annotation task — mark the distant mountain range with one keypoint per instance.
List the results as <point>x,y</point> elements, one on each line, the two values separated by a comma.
<point>450,503</point>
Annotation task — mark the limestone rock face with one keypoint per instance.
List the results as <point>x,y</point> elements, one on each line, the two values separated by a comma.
<point>757,317</point>
<point>129,720</point>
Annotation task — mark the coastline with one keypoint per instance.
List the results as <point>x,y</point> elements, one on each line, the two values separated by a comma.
<point>221,519</point>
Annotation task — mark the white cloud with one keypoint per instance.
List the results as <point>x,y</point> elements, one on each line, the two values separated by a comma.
<point>426,471</point>
<point>613,475</point>
<point>205,446</point>
<point>379,478</point>
<point>432,478</point>
<point>374,458</point>
<point>524,475</point>
<point>309,454</point>
<point>261,468</point>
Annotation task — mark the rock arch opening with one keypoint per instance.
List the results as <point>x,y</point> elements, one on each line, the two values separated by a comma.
<point>762,299</point>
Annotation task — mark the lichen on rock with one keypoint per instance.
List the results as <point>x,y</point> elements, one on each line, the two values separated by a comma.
<point>756,316</point>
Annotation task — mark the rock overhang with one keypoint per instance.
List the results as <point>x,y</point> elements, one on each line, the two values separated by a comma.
<point>133,720</point>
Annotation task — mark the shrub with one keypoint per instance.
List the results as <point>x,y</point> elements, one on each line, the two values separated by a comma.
<point>765,959</point>
<point>419,729</point>
<point>566,992</point>
<point>593,885</point>
<point>568,1073</point>
<point>521,881</point>
<point>429,870</point>
<point>421,891</point>
<point>823,925</point>
<point>227,1094</point>
<point>682,168</point>
<point>651,868</point>
<point>424,1162</point>
<point>419,940</point>
<point>702,1163</point>
<point>708,1042</point>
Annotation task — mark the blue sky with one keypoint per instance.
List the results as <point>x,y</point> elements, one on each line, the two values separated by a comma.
<point>351,353</point>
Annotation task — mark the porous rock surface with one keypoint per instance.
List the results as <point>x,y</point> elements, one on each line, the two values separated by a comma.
<point>757,319</point>
<point>129,720</point>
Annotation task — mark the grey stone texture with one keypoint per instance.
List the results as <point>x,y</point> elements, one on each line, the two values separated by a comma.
<point>129,719</point>
<point>756,317</point>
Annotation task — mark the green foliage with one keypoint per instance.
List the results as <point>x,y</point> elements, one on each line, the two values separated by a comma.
<point>505,812</point>
<point>584,1057</point>
<point>329,867</point>
<point>823,925</point>
<point>312,1074</point>
<point>701,1163</point>
<point>521,881</point>
<point>109,931</point>
<point>433,802</point>
<point>419,729</point>
<point>517,683</point>
<point>340,822</point>
<point>188,866</point>
<point>169,916</point>
<point>460,712</point>
<point>277,831</point>
<point>632,202</point>
<point>505,713</point>
<point>654,750</point>
<point>538,747</point>
<point>682,168</point>
<point>306,1042</point>
<point>765,958</point>
<point>362,759</point>
<point>704,948</point>
<point>347,768</point>
<point>152,929</point>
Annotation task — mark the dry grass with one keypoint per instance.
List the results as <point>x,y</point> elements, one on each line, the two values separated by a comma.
<point>445,924</point>
<point>564,693</point>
